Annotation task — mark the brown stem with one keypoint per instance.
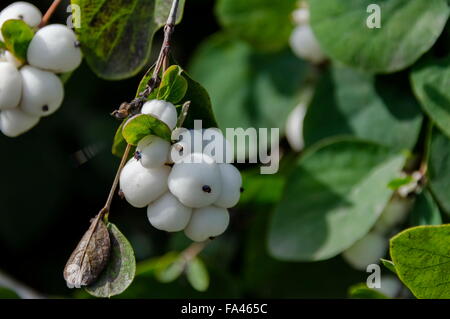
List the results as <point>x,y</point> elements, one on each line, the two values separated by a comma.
<point>163,56</point>
<point>49,13</point>
<point>193,251</point>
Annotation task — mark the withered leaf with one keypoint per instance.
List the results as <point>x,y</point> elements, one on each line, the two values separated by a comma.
<point>90,257</point>
<point>121,268</point>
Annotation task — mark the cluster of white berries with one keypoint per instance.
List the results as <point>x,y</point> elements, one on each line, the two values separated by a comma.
<point>303,41</point>
<point>375,244</point>
<point>31,90</point>
<point>184,186</point>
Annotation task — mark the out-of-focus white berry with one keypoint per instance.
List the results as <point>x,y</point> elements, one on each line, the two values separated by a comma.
<point>10,86</point>
<point>305,45</point>
<point>196,181</point>
<point>162,110</point>
<point>55,48</point>
<point>366,251</point>
<point>15,122</point>
<point>207,222</point>
<point>231,186</point>
<point>168,214</point>
<point>153,151</point>
<point>9,57</point>
<point>21,10</point>
<point>140,185</point>
<point>294,128</point>
<point>395,213</point>
<point>390,286</point>
<point>301,16</point>
<point>42,91</point>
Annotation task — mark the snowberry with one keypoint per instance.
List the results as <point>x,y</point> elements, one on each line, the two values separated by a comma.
<point>152,151</point>
<point>196,181</point>
<point>209,141</point>
<point>390,286</point>
<point>294,128</point>
<point>305,45</point>
<point>42,91</point>
<point>231,186</point>
<point>301,16</point>
<point>15,122</point>
<point>394,214</point>
<point>207,222</point>
<point>55,48</point>
<point>366,251</point>
<point>140,185</point>
<point>168,214</point>
<point>21,11</point>
<point>10,86</point>
<point>162,110</point>
<point>9,57</point>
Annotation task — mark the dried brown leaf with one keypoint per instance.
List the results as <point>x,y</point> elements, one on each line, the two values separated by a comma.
<point>90,257</point>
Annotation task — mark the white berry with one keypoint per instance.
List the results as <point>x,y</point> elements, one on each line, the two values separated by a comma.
<point>395,213</point>
<point>15,122</point>
<point>301,16</point>
<point>55,48</point>
<point>168,214</point>
<point>305,45</point>
<point>10,86</point>
<point>42,91</point>
<point>294,128</point>
<point>140,185</point>
<point>209,141</point>
<point>196,181</point>
<point>207,222</point>
<point>366,251</point>
<point>231,186</point>
<point>163,111</point>
<point>390,286</point>
<point>21,10</point>
<point>9,57</point>
<point>153,151</point>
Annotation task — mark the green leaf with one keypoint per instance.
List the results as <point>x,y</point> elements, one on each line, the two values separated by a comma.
<point>17,35</point>
<point>121,268</point>
<point>117,35</point>
<point>422,259</point>
<point>431,81</point>
<point>169,267</point>
<point>266,24</point>
<point>389,265</point>
<point>361,105</point>
<point>6,293</point>
<point>261,189</point>
<point>397,183</point>
<point>173,85</point>
<point>361,291</point>
<point>425,211</point>
<point>248,89</point>
<point>142,125</point>
<point>333,197</point>
<point>201,107</point>
<point>408,30</point>
<point>2,45</point>
<point>439,169</point>
<point>119,143</point>
<point>197,275</point>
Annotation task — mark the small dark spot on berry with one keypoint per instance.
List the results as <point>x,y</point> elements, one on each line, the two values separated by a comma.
<point>242,189</point>
<point>21,17</point>
<point>137,156</point>
<point>207,189</point>
<point>77,44</point>
<point>212,238</point>
<point>45,108</point>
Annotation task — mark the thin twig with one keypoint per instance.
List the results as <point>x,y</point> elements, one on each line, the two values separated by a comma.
<point>49,13</point>
<point>193,251</point>
<point>153,83</point>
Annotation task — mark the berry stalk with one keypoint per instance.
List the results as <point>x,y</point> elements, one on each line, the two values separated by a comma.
<point>51,10</point>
